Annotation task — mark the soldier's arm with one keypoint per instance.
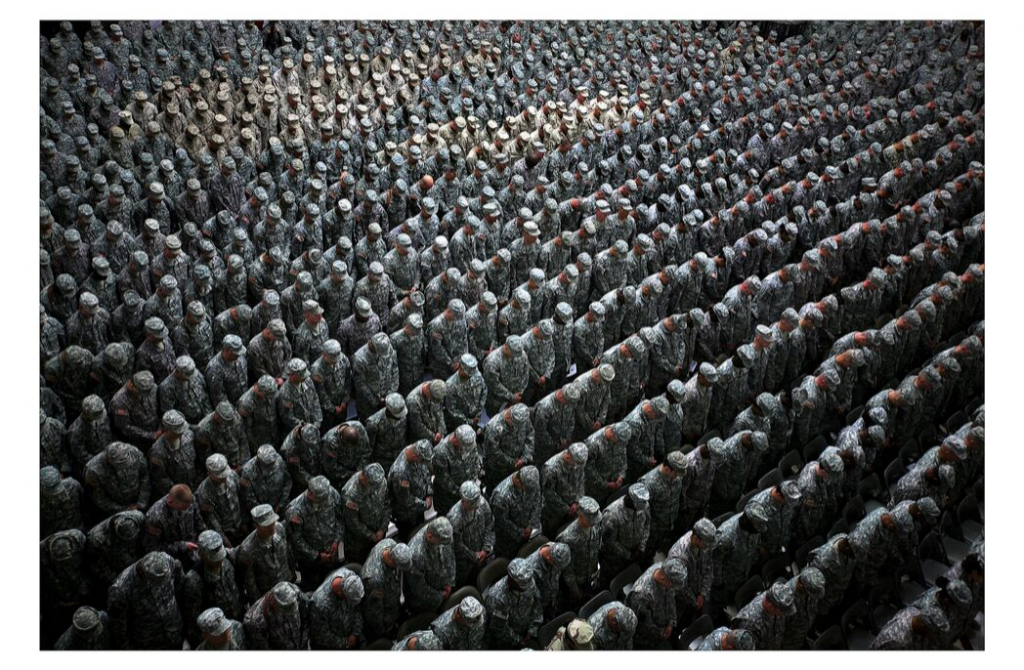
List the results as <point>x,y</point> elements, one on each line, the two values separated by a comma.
<point>296,539</point>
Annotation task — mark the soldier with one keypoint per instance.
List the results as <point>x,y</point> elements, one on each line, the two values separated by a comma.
<point>447,339</point>
<point>835,560</point>
<point>562,481</point>
<point>156,353</point>
<point>264,558</point>
<point>386,429</point>
<point>257,409</point>
<point>766,616</point>
<point>332,378</point>
<point>297,400</point>
<point>89,433</point>
<point>625,530</point>
<point>174,522</point>
<point>728,639</point>
<point>89,631</point>
<point>553,421</point>
<point>547,563</point>
<point>269,351</point>
<point>606,462</point>
<point>736,549</point>
<point>820,485</point>
<point>665,487</point>
<point>113,545</point>
<point>117,479</point>
<point>194,335</point>
<point>219,632</point>
<point>742,453</point>
<point>506,372</point>
<point>614,625</point>
<point>184,390</point>
<point>808,589</point>
<point>456,460</point>
<point>431,578</point>
<point>425,404</point>
<point>172,458</point>
<point>420,640</point>
<point>461,628</point>
<point>644,449</point>
<point>592,409</point>
<point>653,601</point>
<point>382,580</point>
<point>279,620</point>
<point>375,374</point>
<point>345,450</point>
<point>577,636</point>
<point>514,608</point>
<point>466,394</point>
<point>359,327</point>
<point>210,583</point>
<point>482,325</point>
<point>315,529</point>
<point>134,410</point>
<point>227,373</point>
<point>143,605</point>
<point>410,485</point>
<point>695,549</point>
<point>588,337</point>
<point>912,629</point>
<point>367,511</point>
<point>782,504</point>
<point>516,503</point>
<point>335,612</point>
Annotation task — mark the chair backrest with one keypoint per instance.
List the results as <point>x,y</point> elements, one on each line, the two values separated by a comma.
<point>854,414</point>
<point>893,472</point>
<point>832,639</point>
<point>778,566</point>
<point>858,613</point>
<point>355,567</point>
<point>624,579</point>
<point>595,603</point>
<point>415,623</point>
<point>854,510</point>
<point>870,487</point>
<point>491,573</point>
<point>791,464</point>
<point>747,497</point>
<point>458,596</point>
<point>801,554</point>
<point>532,546</point>
<point>699,628</point>
<point>840,526</point>
<point>968,510</point>
<point>746,593</point>
<point>548,630</point>
<point>706,437</point>
<point>383,644</point>
<point>814,448</point>
<point>772,478</point>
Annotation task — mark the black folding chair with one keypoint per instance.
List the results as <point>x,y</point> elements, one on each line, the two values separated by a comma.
<point>791,464</point>
<point>491,573</point>
<point>695,632</point>
<point>830,640</point>
<point>595,603</point>
<point>624,580</point>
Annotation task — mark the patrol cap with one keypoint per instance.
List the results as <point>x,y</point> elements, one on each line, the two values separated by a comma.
<point>831,462</point>
<point>297,366</point>
<point>781,595</point>
<point>571,392</point>
<point>639,495</point>
<point>465,435</point>
<point>49,478</point>
<point>285,595</point>
<point>705,531</point>
<point>211,546</point>
<point>86,619</point>
<point>472,612</point>
<point>319,487</point>
<point>423,450</point>
<point>607,372</point>
<point>622,431</point>
<point>173,421</point>
<point>212,622</point>
<point>233,343</point>
<point>470,492</point>
<point>675,570</point>
<point>929,509</point>
<point>813,582</point>
<point>402,556</point>
<point>529,475</point>
<point>374,473</point>
<point>958,591</point>
<point>579,453</point>
<point>264,515</point>
<point>676,460</point>
<point>441,528</point>
<point>791,491</point>
<point>468,363</point>
<point>155,565</point>
<point>143,381</point>
<point>520,572</point>
<point>757,514</point>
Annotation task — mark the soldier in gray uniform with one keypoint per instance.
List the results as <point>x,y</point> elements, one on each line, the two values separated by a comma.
<point>644,448</point>
<point>735,549</point>
<point>89,433</point>
<point>382,581</point>
<point>554,420</point>
<point>516,504</point>
<point>335,612</point>
<point>269,351</point>
<point>264,479</point>
<point>766,616</point>
<point>820,485</point>
<point>117,479</point>
<point>60,502</point>
<point>222,431</point>
<point>264,558</point>
<point>588,337</point>
<point>447,339</point>
<point>143,605</point>
<point>410,344</point>
<point>219,501</point>
<point>625,530</point>
<point>547,563</point>
<point>742,453</point>
<point>563,480</point>
<point>614,625</point>
<point>782,504</point>
<point>431,578</point>
<point>89,631</point>
<point>912,629</point>
<point>332,378</point>
<point>665,487</point>
<point>359,328</point>
<point>210,583</point>
<point>297,400</point>
<point>386,429</point>
<point>227,374</point>
<point>219,632</point>
<point>410,485</point>
<point>595,397</point>
<point>506,372</point>
<point>836,562</point>
<point>583,537</point>
<point>375,374</point>
<point>473,530</point>
<point>184,390</point>
<point>808,589</point>
<point>456,460</point>
<point>257,409</point>
<point>316,529</point>
<point>540,354</point>
<point>173,523</point>
<point>467,394</point>
<point>279,620</point>
<point>133,410</point>
<point>482,325</point>
<point>653,600</point>
<point>425,404</point>
<point>461,628</point>
<point>695,549</point>
<point>113,544</point>
<point>514,608</point>
<point>172,460</point>
<point>367,511</point>
<point>606,461</point>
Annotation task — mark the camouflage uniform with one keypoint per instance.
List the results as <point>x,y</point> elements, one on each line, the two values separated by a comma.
<point>432,576</point>
<point>114,544</point>
<point>345,449</point>
<point>617,636</point>
<point>514,610</point>
<point>375,374</point>
<point>117,479</point>
<point>367,511</point>
<point>143,605</point>
<point>258,409</point>
<point>466,394</point>
<point>456,460</point>
<point>583,537</point>
<point>562,482</point>
<point>625,530</point>
<point>279,620</point>
<point>506,371</point>
<point>554,420</point>
<point>410,485</point>
<point>382,579</point>
<point>516,503</point>
<point>264,562</point>
<point>461,628</point>
<point>655,604</point>
<point>335,612</point>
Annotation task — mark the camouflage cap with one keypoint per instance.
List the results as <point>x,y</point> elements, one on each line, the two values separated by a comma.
<point>144,381</point>
<point>470,492</point>
<point>781,595</point>
<point>213,622</point>
<point>639,495</point>
<point>472,611</point>
<point>87,620</point>
<point>675,570</point>
<point>441,528</point>
<point>705,531</point>
<point>211,546</point>
<point>757,514</point>
<point>529,475</point>
<point>607,372</point>
<point>402,556</point>
<point>520,572</point>
<point>155,565</point>
<point>264,515</point>
<point>285,595</point>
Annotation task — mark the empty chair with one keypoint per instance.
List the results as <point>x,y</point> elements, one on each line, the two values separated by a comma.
<point>954,549</point>
<point>383,644</point>
<point>693,634</point>
<point>854,510</point>
<point>973,406</point>
<point>415,623</point>
<point>772,478</point>
<point>622,583</point>
<point>491,573</point>
<point>931,557</point>
<point>953,423</point>
<point>814,448</point>
<point>830,640</point>
<point>893,472</point>
<point>854,414</point>
<point>707,436</point>
<point>972,526</point>
<point>870,487</point>
<point>910,591</point>
<point>747,592</point>
<point>910,452</point>
<point>801,554</point>
<point>354,567</point>
<point>778,567</point>
<point>548,630</point>
<point>595,603</point>
<point>841,526</point>
<point>742,502</point>
<point>855,623</point>
<point>791,464</point>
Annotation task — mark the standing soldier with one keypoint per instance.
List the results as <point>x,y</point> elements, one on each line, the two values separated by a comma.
<point>264,558</point>
<point>514,610</point>
<point>554,420</point>
<point>410,485</point>
<point>367,511</point>
<point>653,599</point>
<point>506,371</point>
<point>516,503</point>
<point>316,530</point>
<point>456,460</point>
<point>431,578</point>
<point>665,486</point>
<point>375,374</point>
<point>461,628</point>
<point>335,612</point>
<point>382,581</point>
<point>562,481</point>
<point>472,531</point>
<point>467,394</point>
<point>143,605</point>
<point>625,530</point>
<point>278,620</point>
<point>695,549</point>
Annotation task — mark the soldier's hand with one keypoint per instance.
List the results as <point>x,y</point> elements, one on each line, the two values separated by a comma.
<point>667,632</point>
<point>446,592</point>
<point>429,501</point>
<point>595,362</point>
<point>191,546</point>
<point>437,437</point>
<point>572,510</point>
<point>517,397</point>
<point>378,536</point>
<point>520,463</point>
<point>280,381</point>
<point>700,603</point>
<point>480,556</point>
<point>527,532</point>
<point>597,425</point>
<point>542,380</point>
<point>352,641</point>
